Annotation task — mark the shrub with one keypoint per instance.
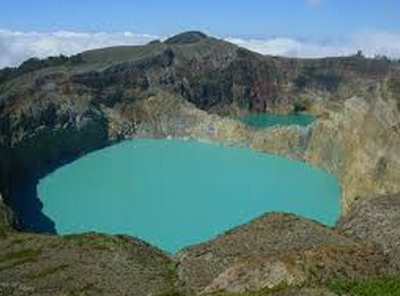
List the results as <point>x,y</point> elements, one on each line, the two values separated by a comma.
<point>382,286</point>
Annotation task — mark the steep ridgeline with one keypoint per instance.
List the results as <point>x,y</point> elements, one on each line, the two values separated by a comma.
<point>222,78</point>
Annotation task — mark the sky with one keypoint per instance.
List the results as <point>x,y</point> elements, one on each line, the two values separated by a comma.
<point>299,28</point>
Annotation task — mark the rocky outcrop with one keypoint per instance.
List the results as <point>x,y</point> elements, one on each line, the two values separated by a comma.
<point>276,250</point>
<point>271,252</point>
<point>360,143</point>
<point>375,220</point>
<point>315,267</point>
<point>89,264</point>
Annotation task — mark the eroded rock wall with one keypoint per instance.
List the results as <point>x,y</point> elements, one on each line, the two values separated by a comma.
<point>360,143</point>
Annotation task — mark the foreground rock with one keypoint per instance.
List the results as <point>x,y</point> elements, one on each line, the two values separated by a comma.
<point>274,250</point>
<point>88,264</point>
<point>376,220</point>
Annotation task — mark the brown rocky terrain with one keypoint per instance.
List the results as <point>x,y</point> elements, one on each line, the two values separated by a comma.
<point>375,220</point>
<point>273,250</point>
<point>195,86</point>
<point>89,264</point>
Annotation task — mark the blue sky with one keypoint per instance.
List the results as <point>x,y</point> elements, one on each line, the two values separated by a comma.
<point>240,18</point>
<point>298,28</point>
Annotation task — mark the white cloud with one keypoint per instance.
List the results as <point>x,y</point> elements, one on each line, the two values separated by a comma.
<point>371,43</point>
<point>16,47</point>
<point>293,48</point>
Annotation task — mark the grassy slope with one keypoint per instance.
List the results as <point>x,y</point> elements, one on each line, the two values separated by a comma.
<point>381,286</point>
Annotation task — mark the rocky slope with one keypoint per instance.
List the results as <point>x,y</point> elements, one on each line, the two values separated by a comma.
<point>274,250</point>
<point>195,86</point>
<point>375,220</point>
<point>89,264</point>
<point>271,252</point>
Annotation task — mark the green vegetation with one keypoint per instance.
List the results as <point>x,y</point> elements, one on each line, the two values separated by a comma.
<point>35,64</point>
<point>97,241</point>
<point>393,86</point>
<point>3,232</point>
<point>359,54</point>
<point>172,293</point>
<point>20,257</point>
<point>302,104</point>
<point>262,292</point>
<point>312,75</point>
<point>17,240</point>
<point>47,271</point>
<point>25,253</point>
<point>258,293</point>
<point>186,38</point>
<point>382,286</point>
<point>91,241</point>
<point>89,289</point>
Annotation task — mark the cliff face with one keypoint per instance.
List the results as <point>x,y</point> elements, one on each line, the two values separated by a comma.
<point>360,143</point>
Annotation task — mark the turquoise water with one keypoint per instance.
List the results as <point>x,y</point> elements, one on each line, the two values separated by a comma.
<point>176,193</point>
<point>268,119</point>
